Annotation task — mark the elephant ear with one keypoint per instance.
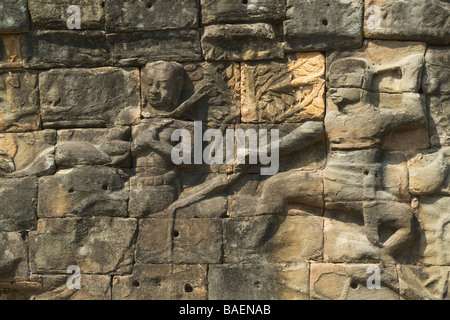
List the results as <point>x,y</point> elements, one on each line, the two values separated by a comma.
<point>8,150</point>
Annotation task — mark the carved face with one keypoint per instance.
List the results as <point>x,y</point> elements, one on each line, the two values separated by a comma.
<point>345,96</point>
<point>163,84</point>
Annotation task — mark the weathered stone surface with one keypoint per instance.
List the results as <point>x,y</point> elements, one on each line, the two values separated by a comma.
<point>54,14</point>
<point>273,238</point>
<point>314,25</point>
<point>54,287</point>
<point>14,16</point>
<point>162,282</point>
<point>152,150</point>
<point>428,173</point>
<point>439,120</point>
<point>152,194</point>
<point>230,11</point>
<point>137,49</point>
<point>13,257</point>
<point>100,97</point>
<point>345,240</point>
<point>365,175</point>
<point>435,226</point>
<point>258,41</point>
<point>30,153</point>
<point>379,66</point>
<point>197,241</point>
<point>18,198</point>
<point>213,207</point>
<point>68,48</point>
<point>10,55</point>
<point>287,91</point>
<point>154,243</point>
<point>206,92</point>
<point>408,20</point>
<point>95,245</point>
<point>423,282</point>
<point>129,15</point>
<point>349,282</point>
<point>357,119</point>
<point>436,77</point>
<point>260,281</point>
<point>19,105</point>
<point>83,191</point>
<point>94,147</point>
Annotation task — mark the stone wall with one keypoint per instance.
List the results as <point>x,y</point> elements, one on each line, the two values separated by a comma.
<point>359,91</point>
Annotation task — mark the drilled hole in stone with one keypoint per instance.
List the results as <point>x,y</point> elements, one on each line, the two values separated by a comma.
<point>188,288</point>
<point>104,187</point>
<point>325,22</point>
<point>71,190</point>
<point>258,284</point>
<point>353,285</point>
<point>245,1</point>
<point>176,233</point>
<point>149,5</point>
<point>366,173</point>
<point>136,284</point>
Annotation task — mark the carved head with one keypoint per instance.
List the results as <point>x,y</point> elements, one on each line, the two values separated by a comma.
<point>162,84</point>
<point>345,96</point>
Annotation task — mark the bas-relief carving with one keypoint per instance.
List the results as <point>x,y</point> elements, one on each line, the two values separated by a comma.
<point>372,174</point>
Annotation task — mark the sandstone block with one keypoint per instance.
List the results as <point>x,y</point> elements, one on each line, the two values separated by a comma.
<point>345,240</point>
<point>408,20</point>
<point>139,48</point>
<point>154,242</point>
<point>439,120</point>
<point>54,15</point>
<point>258,41</point>
<point>229,11</point>
<point>435,225</point>
<point>54,287</point>
<point>83,191</point>
<point>101,97</point>
<point>128,15</point>
<point>314,25</point>
<point>65,48</point>
<point>365,175</point>
<point>436,78</point>
<point>379,66</point>
<point>260,281</point>
<point>14,16</point>
<point>30,153</point>
<point>423,282</point>
<point>273,238</point>
<point>428,173</point>
<point>94,147</point>
<point>18,198</point>
<point>19,106</point>
<point>197,241</point>
<point>288,91</point>
<point>10,55</point>
<point>13,257</point>
<point>162,282</point>
<point>349,282</point>
<point>95,245</point>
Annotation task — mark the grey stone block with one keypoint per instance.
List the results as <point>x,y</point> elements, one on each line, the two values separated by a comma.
<point>323,25</point>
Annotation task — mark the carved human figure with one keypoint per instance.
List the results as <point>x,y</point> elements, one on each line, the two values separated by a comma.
<point>162,85</point>
<point>357,124</point>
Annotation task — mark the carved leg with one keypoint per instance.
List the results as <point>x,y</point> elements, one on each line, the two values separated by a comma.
<point>290,187</point>
<point>385,216</point>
